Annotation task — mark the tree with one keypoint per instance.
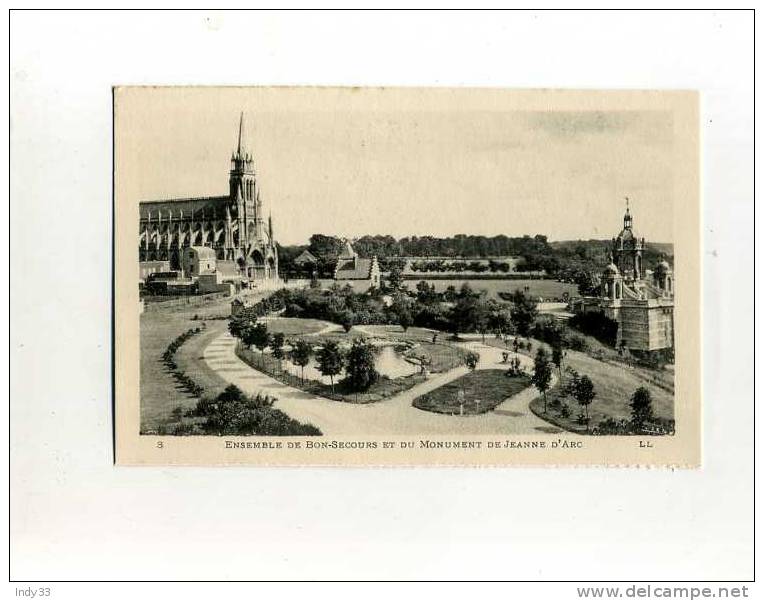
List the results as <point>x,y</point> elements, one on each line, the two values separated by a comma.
<point>471,360</point>
<point>325,248</point>
<point>400,310</point>
<point>395,277</point>
<point>237,325</point>
<point>277,347</point>
<point>557,355</point>
<point>588,283</point>
<point>523,312</point>
<point>330,360</point>
<point>360,367</point>
<point>499,322</point>
<point>426,293</point>
<point>465,314</point>
<point>346,319</point>
<point>258,337</point>
<point>542,373</point>
<point>405,319</point>
<point>585,393</point>
<point>301,353</point>
<point>641,407</point>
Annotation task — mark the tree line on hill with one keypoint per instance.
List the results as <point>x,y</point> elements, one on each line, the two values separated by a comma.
<point>577,261</point>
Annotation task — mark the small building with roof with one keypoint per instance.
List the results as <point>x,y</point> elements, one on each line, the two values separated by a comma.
<point>198,260</point>
<point>362,274</point>
<point>305,259</point>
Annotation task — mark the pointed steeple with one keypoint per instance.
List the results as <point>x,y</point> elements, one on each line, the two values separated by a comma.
<point>241,128</point>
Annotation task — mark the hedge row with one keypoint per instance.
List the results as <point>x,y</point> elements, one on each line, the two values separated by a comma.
<point>168,357</point>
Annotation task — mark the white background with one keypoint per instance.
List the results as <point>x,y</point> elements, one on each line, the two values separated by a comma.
<point>75,516</point>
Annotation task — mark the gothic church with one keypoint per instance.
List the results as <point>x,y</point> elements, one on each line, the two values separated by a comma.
<point>233,226</point>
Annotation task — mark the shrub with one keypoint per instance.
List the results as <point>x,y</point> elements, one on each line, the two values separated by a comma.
<point>611,426</point>
<point>576,343</point>
<point>234,413</point>
<point>471,360</point>
<point>548,330</point>
<point>598,325</point>
<point>186,429</point>
<point>515,368</point>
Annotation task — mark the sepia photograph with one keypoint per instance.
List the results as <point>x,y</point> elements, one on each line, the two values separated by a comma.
<point>417,263</point>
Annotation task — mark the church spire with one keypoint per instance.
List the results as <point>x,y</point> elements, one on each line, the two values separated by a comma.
<point>241,127</point>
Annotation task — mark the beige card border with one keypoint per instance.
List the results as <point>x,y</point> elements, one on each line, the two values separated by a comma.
<point>681,450</point>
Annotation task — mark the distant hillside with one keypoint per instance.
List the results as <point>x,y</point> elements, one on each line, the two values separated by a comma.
<point>595,247</point>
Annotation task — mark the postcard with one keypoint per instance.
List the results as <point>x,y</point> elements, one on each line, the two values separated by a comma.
<point>406,277</point>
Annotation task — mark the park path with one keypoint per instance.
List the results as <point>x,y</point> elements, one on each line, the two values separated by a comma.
<point>395,415</point>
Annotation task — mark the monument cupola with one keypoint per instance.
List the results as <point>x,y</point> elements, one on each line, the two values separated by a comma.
<point>628,248</point>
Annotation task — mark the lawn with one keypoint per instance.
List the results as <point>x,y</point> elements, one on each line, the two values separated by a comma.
<point>160,391</point>
<point>440,357</point>
<point>614,384</point>
<point>536,288</point>
<point>489,386</point>
<point>293,326</point>
<point>190,359</point>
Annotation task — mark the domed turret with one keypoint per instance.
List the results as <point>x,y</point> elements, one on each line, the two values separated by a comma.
<point>627,249</point>
<point>612,281</point>
<point>663,277</point>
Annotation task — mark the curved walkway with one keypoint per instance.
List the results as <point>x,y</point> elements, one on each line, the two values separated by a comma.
<point>395,415</point>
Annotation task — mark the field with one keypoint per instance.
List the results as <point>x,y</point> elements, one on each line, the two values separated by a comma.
<point>489,386</point>
<point>546,289</point>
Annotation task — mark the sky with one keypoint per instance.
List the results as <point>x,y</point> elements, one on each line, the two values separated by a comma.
<point>350,162</point>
